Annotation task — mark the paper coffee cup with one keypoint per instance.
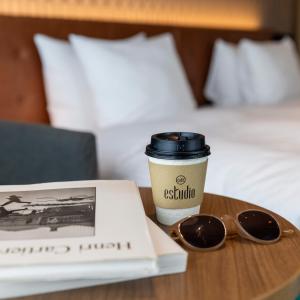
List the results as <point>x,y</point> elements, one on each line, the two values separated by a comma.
<point>177,165</point>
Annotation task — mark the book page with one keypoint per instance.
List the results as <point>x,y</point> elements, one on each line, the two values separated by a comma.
<point>73,222</point>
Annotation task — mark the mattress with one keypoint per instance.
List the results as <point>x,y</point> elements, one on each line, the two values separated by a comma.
<point>255,153</point>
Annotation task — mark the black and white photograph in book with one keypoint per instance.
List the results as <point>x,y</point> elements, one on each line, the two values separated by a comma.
<point>47,214</point>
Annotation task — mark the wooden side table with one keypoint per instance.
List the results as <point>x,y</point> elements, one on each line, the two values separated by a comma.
<point>239,270</point>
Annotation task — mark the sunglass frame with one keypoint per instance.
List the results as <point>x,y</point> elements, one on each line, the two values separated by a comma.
<point>175,229</point>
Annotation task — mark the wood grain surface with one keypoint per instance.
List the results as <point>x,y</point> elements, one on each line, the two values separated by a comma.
<point>239,270</point>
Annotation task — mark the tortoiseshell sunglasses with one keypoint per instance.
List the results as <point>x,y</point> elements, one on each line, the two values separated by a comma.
<point>207,232</point>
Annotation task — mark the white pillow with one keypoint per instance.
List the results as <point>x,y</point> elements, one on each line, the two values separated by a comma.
<point>222,85</point>
<point>269,71</point>
<point>68,94</point>
<point>136,82</point>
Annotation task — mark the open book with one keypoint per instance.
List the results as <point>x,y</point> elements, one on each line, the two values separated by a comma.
<point>171,259</point>
<point>74,231</point>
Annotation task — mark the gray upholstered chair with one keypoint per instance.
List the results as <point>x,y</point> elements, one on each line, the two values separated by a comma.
<point>38,153</point>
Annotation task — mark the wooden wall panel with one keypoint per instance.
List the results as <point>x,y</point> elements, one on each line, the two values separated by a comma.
<point>242,14</point>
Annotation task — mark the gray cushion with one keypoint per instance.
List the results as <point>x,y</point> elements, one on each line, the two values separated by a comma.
<point>38,153</point>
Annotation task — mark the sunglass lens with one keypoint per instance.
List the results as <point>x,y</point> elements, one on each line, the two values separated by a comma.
<point>259,225</point>
<point>203,231</point>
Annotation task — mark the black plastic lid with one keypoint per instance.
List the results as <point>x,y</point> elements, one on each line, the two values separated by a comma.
<point>177,145</point>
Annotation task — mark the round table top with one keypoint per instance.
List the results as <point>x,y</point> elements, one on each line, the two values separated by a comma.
<point>240,269</point>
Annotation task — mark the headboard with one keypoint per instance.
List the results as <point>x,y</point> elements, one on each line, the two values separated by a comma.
<point>22,96</point>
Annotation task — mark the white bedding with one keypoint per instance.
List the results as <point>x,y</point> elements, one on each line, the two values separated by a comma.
<point>255,153</point>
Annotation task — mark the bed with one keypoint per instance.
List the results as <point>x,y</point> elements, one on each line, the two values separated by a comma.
<point>255,156</point>
<point>22,95</point>
<point>255,151</point>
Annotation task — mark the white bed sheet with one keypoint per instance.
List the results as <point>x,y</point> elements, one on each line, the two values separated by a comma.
<point>255,153</point>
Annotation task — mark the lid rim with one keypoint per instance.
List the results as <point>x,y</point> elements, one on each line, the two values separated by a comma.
<point>179,155</point>
<point>177,145</point>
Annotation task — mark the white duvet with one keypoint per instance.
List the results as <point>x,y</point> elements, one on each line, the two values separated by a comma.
<point>255,153</point>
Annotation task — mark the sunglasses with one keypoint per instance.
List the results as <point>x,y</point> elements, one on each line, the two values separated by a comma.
<point>207,232</point>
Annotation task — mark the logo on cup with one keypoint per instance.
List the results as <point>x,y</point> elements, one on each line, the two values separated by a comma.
<point>180,179</point>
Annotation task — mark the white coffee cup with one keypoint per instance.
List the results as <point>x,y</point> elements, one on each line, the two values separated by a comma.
<point>177,165</point>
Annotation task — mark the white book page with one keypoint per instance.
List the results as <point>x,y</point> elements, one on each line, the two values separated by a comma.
<point>52,211</point>
<point>164,247</point>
